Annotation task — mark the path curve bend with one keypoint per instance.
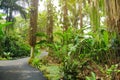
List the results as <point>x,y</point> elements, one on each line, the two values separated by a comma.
<point>19,70</point>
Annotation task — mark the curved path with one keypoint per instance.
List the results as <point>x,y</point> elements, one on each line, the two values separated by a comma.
<point>19,70</point>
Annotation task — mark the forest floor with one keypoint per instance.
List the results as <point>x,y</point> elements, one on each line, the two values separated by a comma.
<point>19,70</point>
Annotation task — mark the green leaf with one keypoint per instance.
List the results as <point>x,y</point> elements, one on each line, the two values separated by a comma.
<point>105,35</point>
<point>93,76</point>
<point>41,34</point>
<point>42,42</point>
<point>4,25</point>
<point>88,78</point>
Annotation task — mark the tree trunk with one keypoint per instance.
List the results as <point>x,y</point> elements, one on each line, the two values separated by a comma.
<point>113,22</point>
<point>65,16</point>
<point>113,15</point>
<point>81,16</point>
<point>50,21</point>
<point>33,25</point>
<point>32,51</point>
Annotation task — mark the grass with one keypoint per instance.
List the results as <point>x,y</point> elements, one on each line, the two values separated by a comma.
<point>2,58</point>
<point>51,71</point>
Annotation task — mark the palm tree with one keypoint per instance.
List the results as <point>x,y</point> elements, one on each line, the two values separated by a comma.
<point>9,6</point>
<point>33,25</point>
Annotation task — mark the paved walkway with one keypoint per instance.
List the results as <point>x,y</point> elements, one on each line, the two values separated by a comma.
<point>19,70</point>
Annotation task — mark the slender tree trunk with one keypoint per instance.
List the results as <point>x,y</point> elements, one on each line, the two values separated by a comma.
<point>9,18</point>
<point>80,14</point>
<point>65,22</point>
<point>50,21</point>
<point>65,16</point>
<point>75,14</point>
<point>32,51</point>
<point>33,25</point>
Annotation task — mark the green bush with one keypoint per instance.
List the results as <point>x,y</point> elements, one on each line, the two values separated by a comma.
<point>14,46</point>
<point>80,49</point>
<point>70,69</point>
<point>75,49</point>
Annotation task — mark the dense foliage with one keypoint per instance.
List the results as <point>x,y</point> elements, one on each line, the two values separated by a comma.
<point>11,46</point>
<point>81,37</point>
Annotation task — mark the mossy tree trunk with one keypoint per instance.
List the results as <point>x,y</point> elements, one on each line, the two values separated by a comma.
<point>33,25</point>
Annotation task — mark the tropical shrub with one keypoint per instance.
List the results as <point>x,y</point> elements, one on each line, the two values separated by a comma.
<point>82,49</point>
<point>14,46</point>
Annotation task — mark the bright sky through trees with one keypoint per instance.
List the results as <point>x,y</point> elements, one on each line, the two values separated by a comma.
<point>43,3</point>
